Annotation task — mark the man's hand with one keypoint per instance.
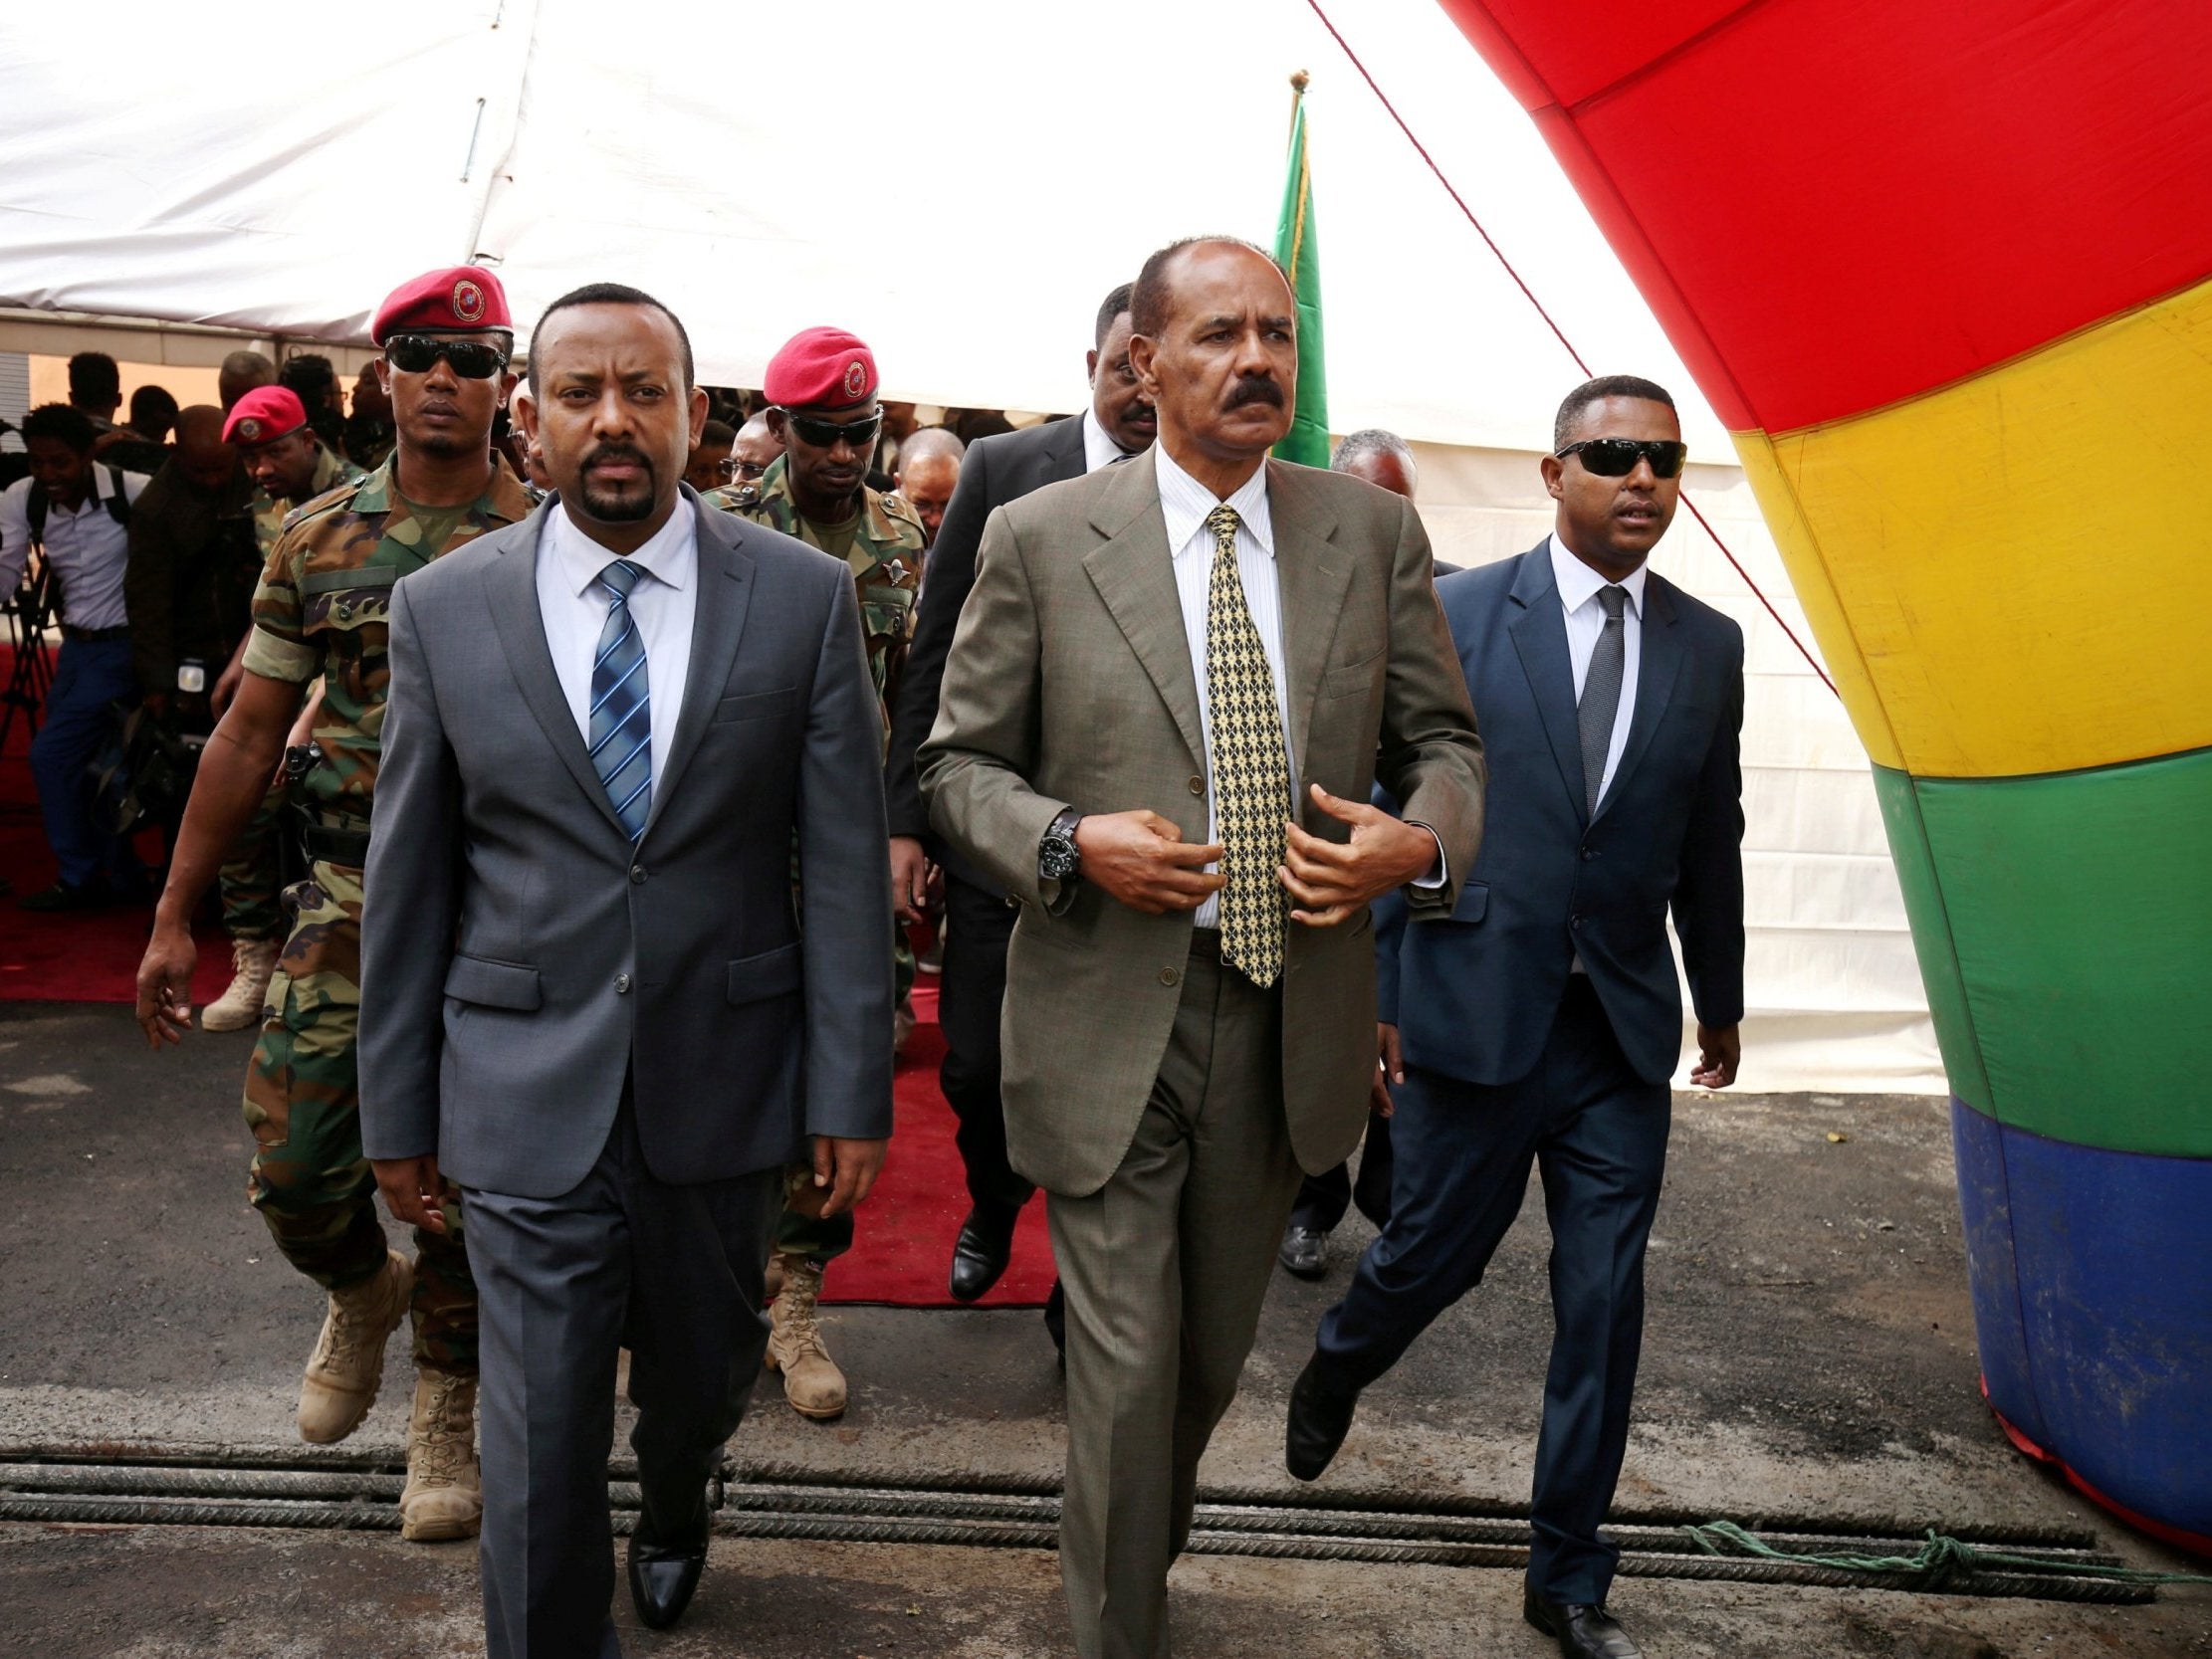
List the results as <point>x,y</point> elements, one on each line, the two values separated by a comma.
<point>165,985</point>
<point>226,684</point>
<point>411,1189</point>
<point>1719,1048</point>
<point>909,877</point>
<point>1332,881</point>
<point>847,1169</point>
<point>1390,1067</point>
<point>1141,859</point>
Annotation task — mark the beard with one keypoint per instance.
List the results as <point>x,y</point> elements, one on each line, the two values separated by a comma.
<point>609,504</point>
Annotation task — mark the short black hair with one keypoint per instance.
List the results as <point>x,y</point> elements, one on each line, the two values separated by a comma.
<point>1148,299</point>
<point>717,433</point>
<point>152,410</point>
<point>1108,309</point>
<point>611,294</point>
<point>62,423</point>
<point>93,378</point>
<point>1597,391</point>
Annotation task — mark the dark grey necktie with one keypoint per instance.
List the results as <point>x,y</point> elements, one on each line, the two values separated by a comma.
<point>1601,692</point>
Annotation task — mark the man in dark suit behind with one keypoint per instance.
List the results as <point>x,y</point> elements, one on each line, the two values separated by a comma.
<point>1118,424</point>
<point>1543,1020</point>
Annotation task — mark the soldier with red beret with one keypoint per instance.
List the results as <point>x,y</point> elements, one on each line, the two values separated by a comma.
<point>821,392</point>
<point>289,466</point>
<point>320,616</point>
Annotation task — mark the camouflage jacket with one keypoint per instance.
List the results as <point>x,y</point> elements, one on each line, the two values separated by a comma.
<point>323,605</point>
<point>331,471</point>
<point>885,561</point>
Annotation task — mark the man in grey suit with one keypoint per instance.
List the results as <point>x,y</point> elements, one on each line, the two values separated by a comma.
<point>1154,659</point>
<point>588,994</point>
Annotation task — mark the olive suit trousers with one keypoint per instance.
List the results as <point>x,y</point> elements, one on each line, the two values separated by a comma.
<point>1165,1267</point>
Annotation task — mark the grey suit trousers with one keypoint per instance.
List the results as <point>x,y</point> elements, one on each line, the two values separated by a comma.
<point>672,1272</point>
<point>1166,1267</point>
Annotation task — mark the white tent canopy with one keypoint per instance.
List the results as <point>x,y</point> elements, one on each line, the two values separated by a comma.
<point>959,185</point>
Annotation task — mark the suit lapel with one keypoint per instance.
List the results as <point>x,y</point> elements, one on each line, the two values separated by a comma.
<point>1539,636</point>
<point>513,583</point>
<point>1064,450</point>
<point>724,573</point>
<point>1658,660</point>
<point>1312,575</point>
<point>1135,577</point>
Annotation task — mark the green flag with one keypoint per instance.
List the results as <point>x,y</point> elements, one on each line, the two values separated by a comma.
<point>1298,250</point>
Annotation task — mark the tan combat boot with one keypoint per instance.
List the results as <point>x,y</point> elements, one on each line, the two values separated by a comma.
<point>347,1365</point>
<point>252,961</point>
<point>444,1497</point>
<point>812,1380</point>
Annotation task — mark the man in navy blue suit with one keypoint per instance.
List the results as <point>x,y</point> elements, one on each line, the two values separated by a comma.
<point>1540,1022</point>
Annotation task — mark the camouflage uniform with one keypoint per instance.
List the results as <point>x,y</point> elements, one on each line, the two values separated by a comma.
<point>886,562</point>
<point>253,874</point>
<point>322,610</point>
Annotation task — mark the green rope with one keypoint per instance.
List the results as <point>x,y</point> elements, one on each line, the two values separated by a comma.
<point>1934,1564</point>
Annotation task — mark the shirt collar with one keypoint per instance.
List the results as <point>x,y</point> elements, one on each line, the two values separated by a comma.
<point>670,557</point>
<point>1578,584</point>
<point>1099,450</point>
<point>1184,503</point>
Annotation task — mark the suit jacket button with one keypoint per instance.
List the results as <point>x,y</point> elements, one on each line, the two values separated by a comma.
<point>1197,784</point>
<point>1588,854</point>
<point>1574,921</point>
<point>1169,976</point>
<point>637,873</point>
<point>621,984</point>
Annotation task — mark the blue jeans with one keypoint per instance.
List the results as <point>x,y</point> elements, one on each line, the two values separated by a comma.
<point>74,725</point>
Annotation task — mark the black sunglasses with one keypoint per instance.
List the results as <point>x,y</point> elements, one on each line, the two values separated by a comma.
<point>821,434</point>
<point>1617,457</point>
<point>470,359</point>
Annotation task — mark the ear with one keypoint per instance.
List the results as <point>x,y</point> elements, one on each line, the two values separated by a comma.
<point>1090,367</point>
<point>525,416</point>
<point>384,375</point>
<point>1553,470</point>
<point>699,408</point>
<point>1141,350</point>
<point>778,425</point>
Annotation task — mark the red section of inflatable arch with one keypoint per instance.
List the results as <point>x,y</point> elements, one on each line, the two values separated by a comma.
<point>1808,261</point>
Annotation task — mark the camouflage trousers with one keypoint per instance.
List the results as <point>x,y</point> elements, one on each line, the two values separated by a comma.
<point>309,1179</point>
<point>801,1231</point>
<point>252,875</point>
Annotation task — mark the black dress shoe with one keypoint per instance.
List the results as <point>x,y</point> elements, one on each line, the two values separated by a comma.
<point>1305,1251</point>
<point>979,1253</point>
<point>1583,1631</point>
<point>1320,1417</point>
<point>662,1580</point>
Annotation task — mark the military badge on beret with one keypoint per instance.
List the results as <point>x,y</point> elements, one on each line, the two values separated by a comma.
<point>856,379</point>
<point>468,301</point>
<point>249,431</point>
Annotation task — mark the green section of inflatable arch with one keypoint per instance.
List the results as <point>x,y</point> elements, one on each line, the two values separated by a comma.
<point>2065,931</point>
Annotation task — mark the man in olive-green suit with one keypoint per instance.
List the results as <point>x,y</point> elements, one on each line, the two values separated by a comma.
<point>1173,685</point>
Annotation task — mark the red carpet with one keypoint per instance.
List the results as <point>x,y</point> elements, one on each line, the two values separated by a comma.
<point>903,1236</point>
<point>903,1240</point>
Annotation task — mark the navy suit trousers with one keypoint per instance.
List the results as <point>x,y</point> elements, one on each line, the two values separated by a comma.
<point>1598,1133</point>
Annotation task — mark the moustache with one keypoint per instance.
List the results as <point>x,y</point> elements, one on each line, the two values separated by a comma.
<point>1255,388</point>
<point>618,452</point>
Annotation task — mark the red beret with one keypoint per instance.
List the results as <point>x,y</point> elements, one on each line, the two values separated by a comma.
<point>821,369</point>
<point>462,299</point>
<point>264,415</point>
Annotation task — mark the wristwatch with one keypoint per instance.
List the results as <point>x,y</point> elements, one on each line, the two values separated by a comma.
<point>1058,859</point>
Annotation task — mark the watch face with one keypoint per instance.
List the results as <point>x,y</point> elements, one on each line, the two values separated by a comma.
<point>1057,858</point>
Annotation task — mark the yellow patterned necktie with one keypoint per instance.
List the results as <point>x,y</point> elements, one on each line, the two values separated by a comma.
<point>1252,777</point>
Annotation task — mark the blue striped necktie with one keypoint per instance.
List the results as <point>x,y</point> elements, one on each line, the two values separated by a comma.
<point>622,705</point>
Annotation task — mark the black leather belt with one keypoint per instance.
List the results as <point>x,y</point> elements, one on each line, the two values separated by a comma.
<point>348,847</point>
<point>93,636</point>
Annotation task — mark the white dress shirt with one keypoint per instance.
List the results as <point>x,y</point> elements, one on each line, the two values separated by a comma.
<point>87,550</point>
<point>1578,596</point>
<point>1098,449</point>
<point>573,608</point>
<point>1184,503</point>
